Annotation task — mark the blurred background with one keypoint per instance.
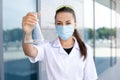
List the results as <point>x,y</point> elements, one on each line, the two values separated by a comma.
<point>98,22</point>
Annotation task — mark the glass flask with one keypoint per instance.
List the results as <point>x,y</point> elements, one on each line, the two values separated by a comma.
<point>36,35</point>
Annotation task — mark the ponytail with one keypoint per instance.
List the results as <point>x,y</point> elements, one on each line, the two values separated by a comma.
<point>83,49</point>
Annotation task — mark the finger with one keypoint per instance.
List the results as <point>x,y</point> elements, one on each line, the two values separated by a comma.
<point>25,18</point>
<point>31,14</point>
<point>31,24</point>
<point>28,21</point>
<point>32,21</point>
<point>31,17</point>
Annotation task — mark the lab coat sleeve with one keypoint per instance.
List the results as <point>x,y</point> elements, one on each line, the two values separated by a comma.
<point>90,69</point>
<point>40,55</point>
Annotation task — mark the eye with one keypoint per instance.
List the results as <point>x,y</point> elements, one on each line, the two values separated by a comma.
<point>58,24</point>
<point>68,23</point>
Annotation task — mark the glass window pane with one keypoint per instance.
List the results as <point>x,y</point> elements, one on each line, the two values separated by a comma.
<point>88,22</point>
<point>118,28</point>
<point>16,64</point>
<point>103,41</point>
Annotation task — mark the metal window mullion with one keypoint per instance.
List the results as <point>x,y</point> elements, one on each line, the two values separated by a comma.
<point>94,33</point>
<point>39,75</point>
<point>1,45</point>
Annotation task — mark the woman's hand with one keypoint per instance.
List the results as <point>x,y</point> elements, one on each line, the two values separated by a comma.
<point>29,21</point>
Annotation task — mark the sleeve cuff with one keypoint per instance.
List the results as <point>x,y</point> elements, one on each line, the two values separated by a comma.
<point>34,60</point>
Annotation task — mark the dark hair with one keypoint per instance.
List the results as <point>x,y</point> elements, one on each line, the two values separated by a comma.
<point>83,49</point>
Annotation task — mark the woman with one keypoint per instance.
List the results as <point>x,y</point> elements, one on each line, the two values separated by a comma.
<point>67,57</point>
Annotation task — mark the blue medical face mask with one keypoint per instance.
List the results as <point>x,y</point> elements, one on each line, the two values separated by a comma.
<point>64,32</point>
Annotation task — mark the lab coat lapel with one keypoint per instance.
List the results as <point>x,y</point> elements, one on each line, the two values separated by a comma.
<point>56,44</point>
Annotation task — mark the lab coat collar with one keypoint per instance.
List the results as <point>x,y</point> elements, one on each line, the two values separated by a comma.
<point>56,43</point>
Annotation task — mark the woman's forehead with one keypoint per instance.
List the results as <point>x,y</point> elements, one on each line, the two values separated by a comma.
<point>64,16</point>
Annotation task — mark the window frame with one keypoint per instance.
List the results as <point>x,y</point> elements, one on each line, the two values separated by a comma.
<point>1,45</point>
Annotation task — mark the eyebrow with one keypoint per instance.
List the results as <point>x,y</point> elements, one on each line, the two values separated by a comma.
<point>61,21</point>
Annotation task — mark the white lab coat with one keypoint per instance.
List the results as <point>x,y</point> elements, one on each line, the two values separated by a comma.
<point>61,66</point>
